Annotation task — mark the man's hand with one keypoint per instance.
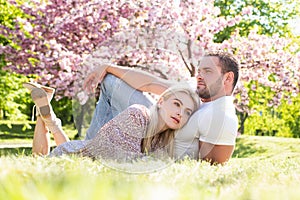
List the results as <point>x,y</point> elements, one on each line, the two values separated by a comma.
<point>94,78</point>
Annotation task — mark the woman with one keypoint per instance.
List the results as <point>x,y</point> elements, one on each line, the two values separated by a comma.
<point>135,132</point>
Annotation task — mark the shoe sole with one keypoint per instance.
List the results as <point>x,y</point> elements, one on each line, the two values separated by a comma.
<point>40,99</point>
<point>31,86</point>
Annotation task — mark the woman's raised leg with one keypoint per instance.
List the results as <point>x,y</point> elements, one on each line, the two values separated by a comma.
<point>41,138</point>
<point>47,115</point>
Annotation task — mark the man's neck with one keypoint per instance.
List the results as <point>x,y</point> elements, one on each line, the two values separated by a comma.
<point>206,100</point>
<point>212,98</point>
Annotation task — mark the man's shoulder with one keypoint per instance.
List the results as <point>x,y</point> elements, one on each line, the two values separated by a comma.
<point>214,113</point>
<point>226,101</point>
<point>221,105</point>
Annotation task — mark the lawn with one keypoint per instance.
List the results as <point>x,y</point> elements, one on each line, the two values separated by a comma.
<point>261,168</point>
<point>16,137</point>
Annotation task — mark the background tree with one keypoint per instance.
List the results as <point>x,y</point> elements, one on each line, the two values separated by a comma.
<point>57,36</point>
<point>268,17</point>
<point>267,64</point>
<point>14,103</point>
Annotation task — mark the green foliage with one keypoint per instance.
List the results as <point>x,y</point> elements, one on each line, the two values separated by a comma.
<point>268,17</point>
<point>13,98</point>
<point>264,123</point>
<point>283,120</point>
<point>63,110</point>
<point>8,13</point>
<point>264,119</point>
<point>259,95</point>
<point>289,112</point>
<point>14,101</point>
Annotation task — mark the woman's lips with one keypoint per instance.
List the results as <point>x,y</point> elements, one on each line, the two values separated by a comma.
<point>176,120</point>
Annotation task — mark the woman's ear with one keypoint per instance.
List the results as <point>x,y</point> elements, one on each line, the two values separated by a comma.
<point>159,102</point>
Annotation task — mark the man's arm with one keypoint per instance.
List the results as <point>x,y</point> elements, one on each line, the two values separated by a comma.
<point>215,153</point>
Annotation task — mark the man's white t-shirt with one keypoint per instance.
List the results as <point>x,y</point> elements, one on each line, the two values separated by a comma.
<point>215,122</point>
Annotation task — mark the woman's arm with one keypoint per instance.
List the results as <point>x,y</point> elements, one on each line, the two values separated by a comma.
<point>121,135</point>
<point>140,80</point>
<point>136,78</point>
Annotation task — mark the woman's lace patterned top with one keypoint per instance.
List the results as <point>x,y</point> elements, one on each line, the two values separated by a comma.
<point>119,139</point>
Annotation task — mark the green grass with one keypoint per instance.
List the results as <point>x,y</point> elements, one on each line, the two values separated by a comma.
<point>16,131</point>
<point>20,134</point>
<point>261,168</point>
<point>22,131</point>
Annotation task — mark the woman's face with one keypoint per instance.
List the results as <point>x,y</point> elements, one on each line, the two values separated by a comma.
<point>176,110</point>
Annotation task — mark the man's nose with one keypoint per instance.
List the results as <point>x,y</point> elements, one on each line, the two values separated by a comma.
<point>199,76</point>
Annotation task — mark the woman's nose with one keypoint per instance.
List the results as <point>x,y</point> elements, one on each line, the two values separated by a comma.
<point>179,112</point>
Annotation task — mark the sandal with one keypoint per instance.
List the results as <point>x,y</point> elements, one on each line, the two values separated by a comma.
<point>49,90</point>
<point>39,96</point>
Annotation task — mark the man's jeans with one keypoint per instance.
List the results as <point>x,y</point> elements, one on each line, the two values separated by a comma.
<point>115,96</point>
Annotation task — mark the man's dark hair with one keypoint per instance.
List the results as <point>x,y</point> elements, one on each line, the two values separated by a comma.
<point>228,63</point>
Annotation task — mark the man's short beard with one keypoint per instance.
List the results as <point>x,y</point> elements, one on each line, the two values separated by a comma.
<point>203,94</point>
<point>207,93</point>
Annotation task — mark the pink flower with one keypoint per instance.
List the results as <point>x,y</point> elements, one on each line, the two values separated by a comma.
<point>247,10</point>
<point>82,97</point>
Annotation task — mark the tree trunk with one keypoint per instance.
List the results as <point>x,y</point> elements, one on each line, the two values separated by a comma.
<point>79,122</point>
<point>243,116</point>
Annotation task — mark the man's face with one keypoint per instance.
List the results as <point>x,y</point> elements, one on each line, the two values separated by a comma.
<point>210,83</point>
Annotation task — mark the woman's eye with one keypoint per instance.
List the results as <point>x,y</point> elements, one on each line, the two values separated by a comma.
<point>189,113</point>
<point>176,104</point>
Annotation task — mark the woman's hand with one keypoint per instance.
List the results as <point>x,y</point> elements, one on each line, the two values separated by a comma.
<point>94,78</point>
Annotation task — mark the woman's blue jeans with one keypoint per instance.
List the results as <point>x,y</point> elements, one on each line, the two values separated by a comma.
<point>115,96</point>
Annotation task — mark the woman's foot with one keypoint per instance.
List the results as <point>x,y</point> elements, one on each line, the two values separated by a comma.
<point>44,109</point>
<point>41,101</point>
<point>49,90</point>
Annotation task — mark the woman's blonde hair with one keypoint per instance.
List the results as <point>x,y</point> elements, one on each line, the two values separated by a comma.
<point>165,139</point>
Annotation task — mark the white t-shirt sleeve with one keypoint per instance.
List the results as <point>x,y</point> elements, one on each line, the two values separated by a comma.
<point>218,127</point>
<point>222,130</point>
<point>214,123</point>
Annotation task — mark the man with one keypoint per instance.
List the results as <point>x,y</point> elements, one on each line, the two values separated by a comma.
<point>211,131</point>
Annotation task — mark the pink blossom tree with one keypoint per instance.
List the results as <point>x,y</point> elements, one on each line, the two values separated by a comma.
<point>271,62</point>
<point>58,35</point>
<point>61,40</point>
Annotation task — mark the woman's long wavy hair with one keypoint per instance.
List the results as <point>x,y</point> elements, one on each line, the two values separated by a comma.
<point>165,140</point>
